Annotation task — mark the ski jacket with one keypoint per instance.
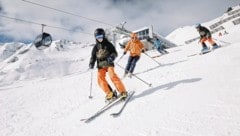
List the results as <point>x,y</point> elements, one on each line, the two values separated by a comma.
<point>204,32</point>
<point>135,47</point>
<point>100,53</point>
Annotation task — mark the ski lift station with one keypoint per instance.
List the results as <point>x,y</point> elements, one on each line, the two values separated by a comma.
<point>146,35</point>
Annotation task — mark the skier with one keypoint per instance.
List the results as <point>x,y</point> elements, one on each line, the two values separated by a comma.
<point>205,35</point>
<point>135,47</point>
<point>157,43</point>
<point>105,53</point>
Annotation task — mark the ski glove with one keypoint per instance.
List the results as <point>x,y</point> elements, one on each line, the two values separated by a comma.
<point>143,51</point>
<point>110,59</point>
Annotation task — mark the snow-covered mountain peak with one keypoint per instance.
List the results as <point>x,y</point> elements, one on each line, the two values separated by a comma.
<point>20,61</point>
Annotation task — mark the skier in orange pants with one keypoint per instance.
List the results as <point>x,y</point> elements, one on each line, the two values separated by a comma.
<point>205,35</point>
<point>104,53</point>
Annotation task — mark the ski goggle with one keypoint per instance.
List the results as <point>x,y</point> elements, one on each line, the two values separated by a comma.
<point>99,36</point>
<point>134,37</point>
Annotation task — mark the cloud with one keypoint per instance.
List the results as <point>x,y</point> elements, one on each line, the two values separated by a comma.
<point>164,15</point>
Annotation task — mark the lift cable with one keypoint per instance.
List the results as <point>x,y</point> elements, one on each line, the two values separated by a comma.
<point>94,20</point>
<point>17,19</point>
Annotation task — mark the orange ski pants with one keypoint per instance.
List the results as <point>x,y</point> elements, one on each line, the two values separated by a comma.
<point>209,39</point>
<point>102,82</point>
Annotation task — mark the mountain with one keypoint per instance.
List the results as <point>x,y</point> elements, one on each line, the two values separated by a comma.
<point>25,62</point>
<point>5,38</point>
<point>46,92</point>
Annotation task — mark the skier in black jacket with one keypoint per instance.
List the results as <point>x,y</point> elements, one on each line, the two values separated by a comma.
<point>205,35</point>
<point>105,53</point>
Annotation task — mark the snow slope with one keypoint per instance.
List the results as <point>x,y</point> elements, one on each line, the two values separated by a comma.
<point>196,95</point>
<point>45,93</point>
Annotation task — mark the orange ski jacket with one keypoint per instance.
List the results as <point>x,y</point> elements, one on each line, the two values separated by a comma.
<point>135,46</point>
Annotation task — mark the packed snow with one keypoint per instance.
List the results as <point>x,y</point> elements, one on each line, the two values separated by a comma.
<point>46,93</point>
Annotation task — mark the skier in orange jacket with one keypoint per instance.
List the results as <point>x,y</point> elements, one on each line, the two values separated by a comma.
<point>105,53</point>
<point>135,47</point>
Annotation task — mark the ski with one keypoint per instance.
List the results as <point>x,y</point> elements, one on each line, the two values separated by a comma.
<point>156,56</point>
<point>124,105</point>
<point>210,50</point>
<point>219,46</point>
<point>103,109</point>
<point>193,54</point>
<point>204,52</point>
<point>201,53</point>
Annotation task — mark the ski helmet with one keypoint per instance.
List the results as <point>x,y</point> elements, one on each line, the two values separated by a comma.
<point>99,33</point>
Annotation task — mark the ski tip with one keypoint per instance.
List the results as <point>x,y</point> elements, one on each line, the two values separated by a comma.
<point>83,119</point>
<point>114,115</point>
<point>86,120</point>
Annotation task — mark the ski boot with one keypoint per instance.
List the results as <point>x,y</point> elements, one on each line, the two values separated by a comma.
<point>214,46</point>
<point>130,75</point>
<point>111,96</point>
<point>125,74</point>
<point>205,50</point>
<point>124,95</point>
<point>165,52</point>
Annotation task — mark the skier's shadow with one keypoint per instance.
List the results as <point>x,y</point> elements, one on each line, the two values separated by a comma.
<point>166,86</point>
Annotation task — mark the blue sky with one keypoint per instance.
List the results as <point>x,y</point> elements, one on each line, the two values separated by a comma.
<point>164,15</point>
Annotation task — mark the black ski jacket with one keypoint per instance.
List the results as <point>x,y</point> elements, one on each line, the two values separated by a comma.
<point>204,32</point>
<point>100,53</point>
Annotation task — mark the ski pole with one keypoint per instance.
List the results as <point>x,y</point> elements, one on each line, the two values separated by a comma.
<point>145,82</point>
<point>152,59</point>
<point>120,58</point>
<point>149,84</point>
<point>90,95</point>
